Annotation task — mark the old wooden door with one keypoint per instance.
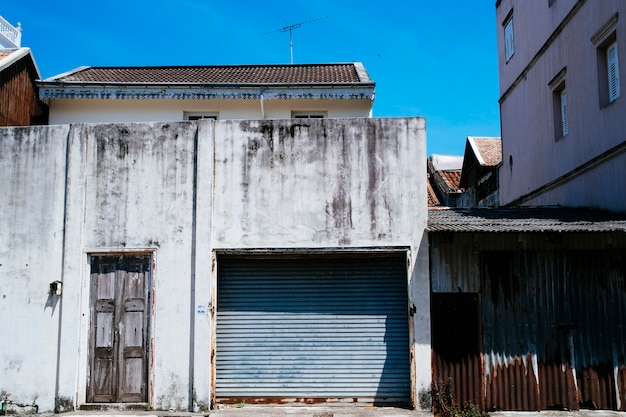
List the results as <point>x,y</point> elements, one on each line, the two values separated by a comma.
<point>119,329</point>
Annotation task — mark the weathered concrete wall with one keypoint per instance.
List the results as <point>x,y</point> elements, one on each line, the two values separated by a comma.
<point>32,168</point>
<point>179,191</point>
<point>317,183</point>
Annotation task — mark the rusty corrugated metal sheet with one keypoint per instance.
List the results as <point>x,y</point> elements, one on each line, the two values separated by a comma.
<point>456,344</point>
<point>554,319</point>
<point>553,315</point>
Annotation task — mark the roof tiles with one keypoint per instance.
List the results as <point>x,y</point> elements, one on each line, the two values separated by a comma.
<point>236,74</point>
<point>489,150</point>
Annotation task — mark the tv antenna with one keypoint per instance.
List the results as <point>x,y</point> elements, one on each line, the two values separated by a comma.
<point>291,28</point>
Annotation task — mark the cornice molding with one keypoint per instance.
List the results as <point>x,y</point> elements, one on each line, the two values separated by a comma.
<point>197,93</point>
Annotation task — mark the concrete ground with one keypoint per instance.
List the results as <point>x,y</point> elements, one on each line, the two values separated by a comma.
<point>339,411</point>
<point>322,411</point>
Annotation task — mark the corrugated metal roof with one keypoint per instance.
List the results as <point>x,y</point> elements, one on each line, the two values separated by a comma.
<point>348,73</point>
<point>530,219</point>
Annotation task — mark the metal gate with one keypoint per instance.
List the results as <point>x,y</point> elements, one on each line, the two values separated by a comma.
<point>312,329</point>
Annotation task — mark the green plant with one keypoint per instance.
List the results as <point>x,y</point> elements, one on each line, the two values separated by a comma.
<point>240,404</point>
<point>444,402</point>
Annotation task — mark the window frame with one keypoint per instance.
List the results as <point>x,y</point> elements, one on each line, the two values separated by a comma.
<point>559,105</point>
<point>605,40</point>
<point>613,82</point>
<point>194,115</point>
<point>509,37</point>
<point>309,114</point>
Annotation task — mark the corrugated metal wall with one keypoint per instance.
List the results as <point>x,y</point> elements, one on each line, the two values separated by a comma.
<point>313,329</point>
<point>553,316</point>
<point>456,344</point>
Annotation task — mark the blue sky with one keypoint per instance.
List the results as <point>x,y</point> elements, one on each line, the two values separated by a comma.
<point>431,58</point>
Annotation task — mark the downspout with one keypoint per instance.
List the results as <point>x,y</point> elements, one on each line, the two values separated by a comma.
<point>63,249</point>
<point>261,99</point>
<point>192,284</point>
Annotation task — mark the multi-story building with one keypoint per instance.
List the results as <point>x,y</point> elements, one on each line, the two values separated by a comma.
<point>562,109</point>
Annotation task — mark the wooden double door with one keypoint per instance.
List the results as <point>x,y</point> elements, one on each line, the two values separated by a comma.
<point>118,342</point>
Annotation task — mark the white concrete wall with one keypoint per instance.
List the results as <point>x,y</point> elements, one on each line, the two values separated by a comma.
<point>65,111</point>
<point>180,191</point>
<point>32,166</point>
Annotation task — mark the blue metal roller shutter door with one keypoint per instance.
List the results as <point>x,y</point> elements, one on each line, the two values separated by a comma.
<point>313,329</point>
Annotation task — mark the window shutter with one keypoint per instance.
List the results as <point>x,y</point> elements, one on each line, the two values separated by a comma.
<point>509,45</point>
<point>564,120</point>
<point>613,68</point>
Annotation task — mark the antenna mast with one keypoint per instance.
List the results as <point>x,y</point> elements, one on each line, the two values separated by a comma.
<point>291,28</point>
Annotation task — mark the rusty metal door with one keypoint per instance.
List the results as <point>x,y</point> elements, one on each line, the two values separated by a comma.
<point>456,341</point>
<point>119,329</point>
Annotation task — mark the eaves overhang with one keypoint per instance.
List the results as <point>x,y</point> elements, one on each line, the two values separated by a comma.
<point>161,91</point>
<point>524,220</point>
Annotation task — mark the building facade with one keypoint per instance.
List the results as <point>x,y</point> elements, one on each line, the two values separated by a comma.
<point>562,103</point>
<point>250,92</point>
<point>182,265</point>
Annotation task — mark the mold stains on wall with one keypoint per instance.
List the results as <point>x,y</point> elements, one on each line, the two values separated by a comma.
<point>141,172</point>
<point>172,397</point>
<point>315,180</point>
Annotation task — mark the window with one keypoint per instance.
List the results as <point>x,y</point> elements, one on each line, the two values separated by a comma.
<point>309,114</point>
<point>606,43</point>
<point>559,94</point>
<point>199,116</point>
<point>563,106</point>
<point>612,72</point>
<point>509,44</point>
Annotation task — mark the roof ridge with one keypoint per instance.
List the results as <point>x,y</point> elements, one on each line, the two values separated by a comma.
<point>216,66</point>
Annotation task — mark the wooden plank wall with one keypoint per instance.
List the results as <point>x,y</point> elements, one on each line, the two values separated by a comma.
<point>19,102</point>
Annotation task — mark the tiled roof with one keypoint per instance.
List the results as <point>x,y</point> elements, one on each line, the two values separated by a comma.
<point>445,171</point>
<point>488,149</point>
<point>9,57</point>
<point>453,178</point>
<point>433,200</point>
<point>235,74</point>
<point>543,219</point>
<point>248,82</point>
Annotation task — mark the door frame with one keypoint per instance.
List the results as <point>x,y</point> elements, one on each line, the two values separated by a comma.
<point>83,365</point>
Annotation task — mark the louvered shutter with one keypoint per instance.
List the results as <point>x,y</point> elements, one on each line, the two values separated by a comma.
<point>613,68</point>
<point>564,119</point>
<point>316,328</point>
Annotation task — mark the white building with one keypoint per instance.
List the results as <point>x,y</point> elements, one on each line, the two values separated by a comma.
<point>138,94</point>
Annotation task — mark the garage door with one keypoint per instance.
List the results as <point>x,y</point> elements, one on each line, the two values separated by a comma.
<point>313,329</point>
